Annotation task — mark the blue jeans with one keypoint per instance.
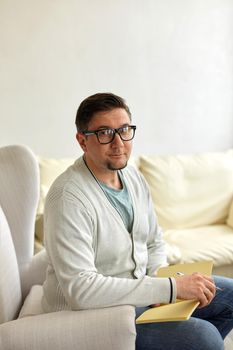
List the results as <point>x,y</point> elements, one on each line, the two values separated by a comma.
<point>205,330</point>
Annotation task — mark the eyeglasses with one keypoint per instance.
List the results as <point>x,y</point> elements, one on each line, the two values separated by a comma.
<point>105,136</point>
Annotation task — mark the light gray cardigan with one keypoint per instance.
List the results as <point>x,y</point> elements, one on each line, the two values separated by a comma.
<point>93,260</point>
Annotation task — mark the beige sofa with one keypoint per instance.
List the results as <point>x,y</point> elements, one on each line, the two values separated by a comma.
<point>193,199</point>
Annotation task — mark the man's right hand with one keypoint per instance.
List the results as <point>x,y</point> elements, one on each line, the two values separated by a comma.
<point>196,286</point>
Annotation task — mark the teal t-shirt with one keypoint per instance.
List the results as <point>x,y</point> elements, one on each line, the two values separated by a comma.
<point>121,201</point>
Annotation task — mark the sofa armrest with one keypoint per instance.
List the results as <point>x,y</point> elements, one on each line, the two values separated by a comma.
<point>109,328</point>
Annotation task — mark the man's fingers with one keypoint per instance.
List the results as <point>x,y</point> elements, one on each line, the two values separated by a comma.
<point>196,286</point>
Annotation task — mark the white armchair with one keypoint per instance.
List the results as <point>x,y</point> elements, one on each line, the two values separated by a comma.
<point>22,323</point>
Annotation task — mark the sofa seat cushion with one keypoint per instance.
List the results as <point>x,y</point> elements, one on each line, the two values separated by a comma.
<point>214,242</point>
<point>190,190</point>
<point>228,341</point>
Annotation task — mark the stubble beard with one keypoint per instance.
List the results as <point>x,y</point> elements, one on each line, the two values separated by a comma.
<point>111,167</point>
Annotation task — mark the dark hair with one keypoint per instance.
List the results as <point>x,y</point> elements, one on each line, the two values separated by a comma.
<point>97,103</point>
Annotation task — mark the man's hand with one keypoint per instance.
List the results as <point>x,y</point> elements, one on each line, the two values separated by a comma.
<point>196,286</point>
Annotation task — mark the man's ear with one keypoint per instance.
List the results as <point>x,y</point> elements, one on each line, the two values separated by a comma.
<point>82,141</point>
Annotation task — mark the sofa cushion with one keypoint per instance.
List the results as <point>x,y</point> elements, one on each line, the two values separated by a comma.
<point>50,169</point>
<point>190,190</point>
<point>228,341</point>
<point>10,291</point>
<point>214,242</point>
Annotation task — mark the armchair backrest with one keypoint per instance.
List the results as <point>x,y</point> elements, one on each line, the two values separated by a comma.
<point>10,288</point>
<point>19,194</point>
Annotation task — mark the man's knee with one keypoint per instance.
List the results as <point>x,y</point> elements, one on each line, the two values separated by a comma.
<point>207,336</point>
<point>194,334</point>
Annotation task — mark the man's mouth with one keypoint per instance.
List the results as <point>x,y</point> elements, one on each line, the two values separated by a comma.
<point>117,155</point>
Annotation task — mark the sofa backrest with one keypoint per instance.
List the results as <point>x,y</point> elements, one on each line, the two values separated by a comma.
<point>187,190</point>
<point>190,190</point>
<point>50,169</point>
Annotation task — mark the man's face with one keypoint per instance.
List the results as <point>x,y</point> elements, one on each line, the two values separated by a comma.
<point>111,156</point>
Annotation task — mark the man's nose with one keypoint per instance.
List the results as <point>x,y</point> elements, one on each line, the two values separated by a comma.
<point>117,140</point>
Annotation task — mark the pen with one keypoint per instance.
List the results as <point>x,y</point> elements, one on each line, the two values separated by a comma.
<point>182,274</point>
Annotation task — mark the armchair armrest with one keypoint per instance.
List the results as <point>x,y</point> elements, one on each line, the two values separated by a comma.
<point>109,328</point>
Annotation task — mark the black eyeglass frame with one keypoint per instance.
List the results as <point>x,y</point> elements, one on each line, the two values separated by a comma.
<point>118,130</point>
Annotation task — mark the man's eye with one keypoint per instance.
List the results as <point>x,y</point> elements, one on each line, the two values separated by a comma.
<point>105,132</point>
<point>125,129</point>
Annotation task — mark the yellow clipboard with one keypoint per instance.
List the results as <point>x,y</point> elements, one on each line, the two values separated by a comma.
<point>182,309</point>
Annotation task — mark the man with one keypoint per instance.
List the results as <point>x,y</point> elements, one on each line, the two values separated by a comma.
<point>104,243</point>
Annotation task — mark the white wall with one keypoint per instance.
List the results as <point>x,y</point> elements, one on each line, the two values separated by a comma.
<point>171,59</point>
